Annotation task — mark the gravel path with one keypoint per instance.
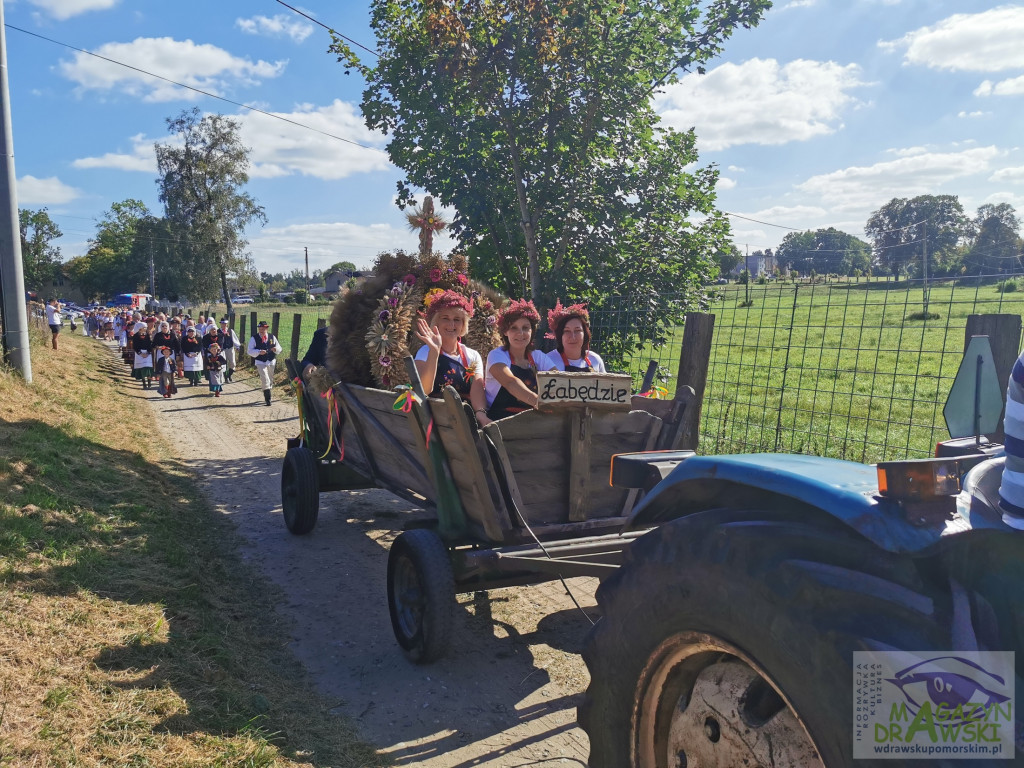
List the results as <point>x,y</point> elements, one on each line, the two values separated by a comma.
<point>505,695</point>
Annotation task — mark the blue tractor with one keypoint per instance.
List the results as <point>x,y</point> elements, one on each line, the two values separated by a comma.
<point>728,635</point>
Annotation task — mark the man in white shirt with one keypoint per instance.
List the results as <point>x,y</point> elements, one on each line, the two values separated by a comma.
<point>263,349</point>
<point>54,320</point>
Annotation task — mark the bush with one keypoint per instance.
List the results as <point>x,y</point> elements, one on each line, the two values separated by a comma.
<point>1007,286</point>
<point>301,296</point>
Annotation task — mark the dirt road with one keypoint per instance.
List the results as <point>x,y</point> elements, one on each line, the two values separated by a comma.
<point>506,695</point>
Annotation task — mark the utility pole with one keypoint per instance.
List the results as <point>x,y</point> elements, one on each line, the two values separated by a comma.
<point>924,262</point>
<point>13,316</point>
<point>307,275</point>
<point>152,272</point>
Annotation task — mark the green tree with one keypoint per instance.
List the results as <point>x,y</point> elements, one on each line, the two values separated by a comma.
<point>728,259</point>
<point>533,120</point>
<point>825,251</point>
<point>202,174</point>
<point>341,266</point>
<point>996,243</point>
<point>40,258</point>
<point>902,228</point>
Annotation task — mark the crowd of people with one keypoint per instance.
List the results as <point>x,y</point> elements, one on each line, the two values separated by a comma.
<point>509,381</point>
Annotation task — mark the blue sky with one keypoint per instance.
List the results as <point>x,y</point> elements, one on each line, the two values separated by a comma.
<point>816,118</point>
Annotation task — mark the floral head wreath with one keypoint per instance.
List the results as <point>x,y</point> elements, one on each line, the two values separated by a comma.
<point>562,314</point>
<point>514,311</point>
<point>435,302</point>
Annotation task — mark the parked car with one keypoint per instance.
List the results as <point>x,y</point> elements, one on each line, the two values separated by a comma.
<point>242,300</point>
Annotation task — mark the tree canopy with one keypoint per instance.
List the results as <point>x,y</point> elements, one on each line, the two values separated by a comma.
<point>996,243</point>
<point>902,229</point>
<point>202,174</point>
<point>826,251</point>
<point>533,120</point>
<point>40,258</point>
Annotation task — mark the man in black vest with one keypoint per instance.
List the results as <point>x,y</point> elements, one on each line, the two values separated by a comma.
<point>264,349</point>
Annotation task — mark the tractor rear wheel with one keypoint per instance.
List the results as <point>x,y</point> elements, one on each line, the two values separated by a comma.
<point>421,594</point>
<point>727,640</point>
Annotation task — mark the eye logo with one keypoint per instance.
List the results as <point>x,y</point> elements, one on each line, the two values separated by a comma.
<point>952,683</point>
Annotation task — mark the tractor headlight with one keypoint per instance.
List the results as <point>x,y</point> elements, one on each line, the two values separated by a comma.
<point>921,478</point>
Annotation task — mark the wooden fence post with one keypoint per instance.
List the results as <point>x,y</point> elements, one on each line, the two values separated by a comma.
<point>252,324</point>
<point>694,359</point>
<point>1003,333</point>
<point>275,324</point>
<point>242,338</point>
<point>296,332</point>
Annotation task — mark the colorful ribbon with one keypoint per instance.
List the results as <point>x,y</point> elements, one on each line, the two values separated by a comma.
<point>333,414</point>
<point>655,393</point>
<point>297,385</point>
<point>405,399</point>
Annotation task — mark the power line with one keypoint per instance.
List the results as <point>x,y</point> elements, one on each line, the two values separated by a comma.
<point>197,90</point>
<point>329,29</point>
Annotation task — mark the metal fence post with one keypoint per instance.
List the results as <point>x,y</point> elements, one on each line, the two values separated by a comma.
<point>1003,333</point>
<point>694,359</point>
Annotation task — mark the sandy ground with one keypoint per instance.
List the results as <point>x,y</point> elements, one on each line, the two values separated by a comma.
<point>507,692</point>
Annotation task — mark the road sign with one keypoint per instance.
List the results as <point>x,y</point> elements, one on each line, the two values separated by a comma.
<point>976,398</point>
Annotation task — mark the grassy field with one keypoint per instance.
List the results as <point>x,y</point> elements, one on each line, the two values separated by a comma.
<point>131,633</point>
<point>842,369</point>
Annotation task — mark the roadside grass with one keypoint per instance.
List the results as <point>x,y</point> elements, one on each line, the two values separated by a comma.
<point>131,633</point>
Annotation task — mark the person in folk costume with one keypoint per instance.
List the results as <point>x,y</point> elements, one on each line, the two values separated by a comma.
<point>215,365</point>
<point>123,332</point>
<point>208,332</point>
<point>192,356</point>
<point>165,370</point>
<point>444,360</point>
<point>571,327</point>
<point>164,338</point>
<point>263,349</point>
<point>229,344</point>
<point>175,323</point>
<point>142,346</point>
<point>510,382</point>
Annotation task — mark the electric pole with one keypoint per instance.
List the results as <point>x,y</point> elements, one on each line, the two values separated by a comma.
<point>307,274</point>
<point>924,262</point>
<point>13,316</point>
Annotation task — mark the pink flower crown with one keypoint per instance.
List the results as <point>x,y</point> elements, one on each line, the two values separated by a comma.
<point>516,309</point>
<point>561,314</point>
<point>449,300</point>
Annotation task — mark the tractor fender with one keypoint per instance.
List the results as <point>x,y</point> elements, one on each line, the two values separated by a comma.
<point>844,490</point>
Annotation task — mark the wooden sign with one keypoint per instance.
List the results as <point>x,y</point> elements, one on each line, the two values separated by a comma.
<point>557,390</point>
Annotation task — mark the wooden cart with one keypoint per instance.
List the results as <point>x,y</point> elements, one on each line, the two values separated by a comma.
<point>523,500</point>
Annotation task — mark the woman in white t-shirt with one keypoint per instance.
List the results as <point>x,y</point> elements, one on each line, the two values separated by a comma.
<point>54,320</point>
<point>510,382</point>
<point>444,360</point>
<point>571,326</point>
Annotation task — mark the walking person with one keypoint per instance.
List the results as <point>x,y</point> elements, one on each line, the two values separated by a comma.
<point>142,367</point>
<point>229,344</point>
<point>192,356</point>
<point>54,320</point>
<point>215,364</point>
<point>263,349</point>
<point>165,369</point>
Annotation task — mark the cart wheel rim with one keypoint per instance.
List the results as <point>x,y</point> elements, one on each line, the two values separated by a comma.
<point>701,701</point>
<point>409,598</point>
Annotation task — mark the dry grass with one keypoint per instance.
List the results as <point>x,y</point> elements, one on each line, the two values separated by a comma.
<point>130,632</point>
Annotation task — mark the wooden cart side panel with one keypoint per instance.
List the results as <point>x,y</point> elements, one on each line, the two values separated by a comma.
<point>533,451</point>
<point>394,451</point>
<point>473,472</point>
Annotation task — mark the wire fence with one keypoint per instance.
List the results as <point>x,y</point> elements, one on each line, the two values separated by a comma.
<point>850,369</point>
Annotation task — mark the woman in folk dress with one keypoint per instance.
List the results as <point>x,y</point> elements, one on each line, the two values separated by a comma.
<point>192,356</point>
<point>142,367</point>
<point>215,364</point>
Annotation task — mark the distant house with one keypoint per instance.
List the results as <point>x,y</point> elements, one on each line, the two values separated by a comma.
<point>64,288</point>
<point>335,281</point>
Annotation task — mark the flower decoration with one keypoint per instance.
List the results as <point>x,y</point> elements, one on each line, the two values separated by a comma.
<point>560,314</point>
<point>436,275</point>
<point>514,311</point>
<point>384,316</point>
<point>462,279</point>
<point>384,361</point>
<point>409,279</point>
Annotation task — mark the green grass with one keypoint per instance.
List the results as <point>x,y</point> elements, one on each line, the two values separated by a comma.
<point>846,369</point>
<point>131,632</point>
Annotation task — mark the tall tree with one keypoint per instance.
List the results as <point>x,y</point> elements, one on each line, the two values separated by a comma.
<point>727,259</point>
<point>39,256</point>
<point>996,245</point>
<point>202,174</point>
<point>825,251</point>
<point>534,121</point>
<point>902,230</point>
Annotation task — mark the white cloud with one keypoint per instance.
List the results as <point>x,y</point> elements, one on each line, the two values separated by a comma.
<point>1010,175</point>
<point>202,66</point>
<point>760,101</point>
<point>281,149</point>
<point>799,4</point>
<point>141,158</point>
<point>735,169</point>
<point>1013,86</point>
<point>976,113</point>
<point>65,9</point>
<point>277,249</point>
<point>865,188</point>
<point>724,182</point>
<point>907,151</point>
<point>975,42</point>
<point>280,25</point>
<point>51,191</point>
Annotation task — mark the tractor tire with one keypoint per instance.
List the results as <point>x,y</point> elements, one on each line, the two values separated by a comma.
<point>300,491</point>
<point>421,594</point>
<point>726,639</point>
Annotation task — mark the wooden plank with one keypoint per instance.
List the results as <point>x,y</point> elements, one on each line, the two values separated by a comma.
<point>493,433</point>
<point>579,464</point>
<point>660,408</point>
<point>243,338</point>
<point>252,326</point>
<point>275,324</point>
<point>675,425</point>
<point>296,335</point>
<point>693,371</point>
<point>559,390</point>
